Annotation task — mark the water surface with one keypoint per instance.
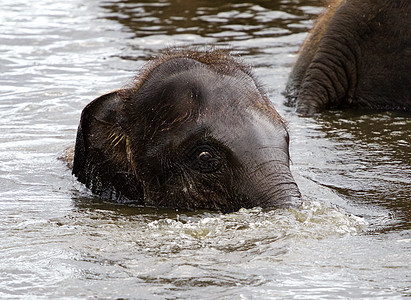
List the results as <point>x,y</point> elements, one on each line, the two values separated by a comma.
<point>351,239</point>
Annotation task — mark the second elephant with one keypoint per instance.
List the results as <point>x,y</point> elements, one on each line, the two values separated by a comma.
<point>358,55</point>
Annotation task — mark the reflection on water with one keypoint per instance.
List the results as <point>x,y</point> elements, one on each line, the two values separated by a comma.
<point>221,20</point>
<point>351,239</point>
<point>367,159</point>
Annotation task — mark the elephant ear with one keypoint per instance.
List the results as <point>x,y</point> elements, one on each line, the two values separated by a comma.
<point>102,157</point>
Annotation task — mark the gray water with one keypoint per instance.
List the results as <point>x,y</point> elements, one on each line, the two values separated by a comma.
<point>350,240</point>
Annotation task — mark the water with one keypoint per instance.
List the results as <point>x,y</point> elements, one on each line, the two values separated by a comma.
<point>352,238</point>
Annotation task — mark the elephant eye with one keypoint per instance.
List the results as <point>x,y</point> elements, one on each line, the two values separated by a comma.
<point>204,158</point>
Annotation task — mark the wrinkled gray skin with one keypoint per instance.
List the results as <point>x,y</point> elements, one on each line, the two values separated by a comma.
<point>195,132</point>
<point>358,55</point>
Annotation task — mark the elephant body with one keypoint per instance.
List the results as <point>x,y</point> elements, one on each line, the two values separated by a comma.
<point>358,55</point>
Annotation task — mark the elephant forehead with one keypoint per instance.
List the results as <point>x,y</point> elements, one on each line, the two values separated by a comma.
<point>195,94</point>
<point>244,132</point>
<point>249,129</point>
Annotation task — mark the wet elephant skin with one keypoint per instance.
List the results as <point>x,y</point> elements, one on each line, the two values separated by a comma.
<point>358,55</point>
<point>195,131</point>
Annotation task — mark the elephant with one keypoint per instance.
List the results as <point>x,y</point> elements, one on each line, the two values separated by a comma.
<point>358,55</point>
<point>195,130</point>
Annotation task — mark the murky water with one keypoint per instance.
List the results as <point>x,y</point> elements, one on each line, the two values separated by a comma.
<point>352,238</point>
